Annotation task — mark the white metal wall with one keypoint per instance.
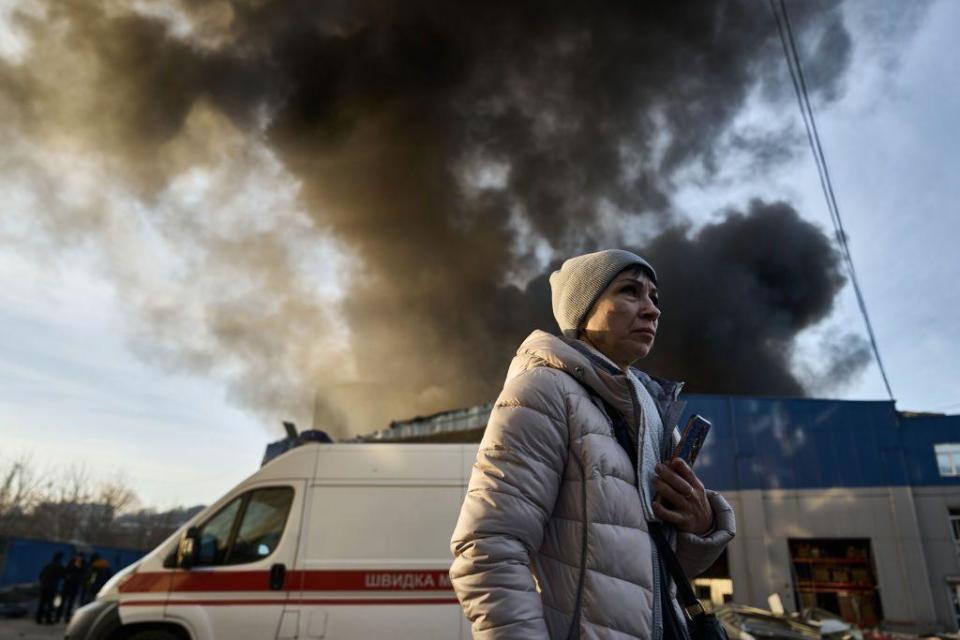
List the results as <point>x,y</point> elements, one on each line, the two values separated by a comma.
<point>902,549</point>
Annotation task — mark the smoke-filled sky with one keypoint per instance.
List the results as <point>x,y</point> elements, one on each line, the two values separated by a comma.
<point>221,214</point>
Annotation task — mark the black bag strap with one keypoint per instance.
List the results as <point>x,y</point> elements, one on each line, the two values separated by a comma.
<point>688,599</point>
<point>574,632</point>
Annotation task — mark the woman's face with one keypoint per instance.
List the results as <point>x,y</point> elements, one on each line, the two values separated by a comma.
<point>622,324</point>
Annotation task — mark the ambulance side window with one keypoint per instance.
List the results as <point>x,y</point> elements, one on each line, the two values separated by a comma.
<point>262,525</point>
<point>248,529</point>
<point>215,534</point>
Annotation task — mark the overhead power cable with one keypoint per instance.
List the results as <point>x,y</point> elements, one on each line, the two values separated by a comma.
<point>945,407</point>
<point>813,137</point>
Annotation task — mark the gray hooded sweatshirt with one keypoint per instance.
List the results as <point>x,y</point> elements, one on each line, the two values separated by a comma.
<point>552,537</point>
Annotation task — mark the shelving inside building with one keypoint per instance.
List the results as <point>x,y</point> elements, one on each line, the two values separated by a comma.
<point>837,574</point>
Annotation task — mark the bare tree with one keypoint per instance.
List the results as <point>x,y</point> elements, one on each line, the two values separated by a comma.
<point>72,506</point>
<point>18,492</point>
<point>69,495</point>
<point>113,498</point>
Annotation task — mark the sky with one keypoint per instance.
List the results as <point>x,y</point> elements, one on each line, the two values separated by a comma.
<point>75,387</point>
<point>890,145</point>
<point>900,195</point>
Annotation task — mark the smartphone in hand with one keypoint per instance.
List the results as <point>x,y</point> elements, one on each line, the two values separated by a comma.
<point>691,439</point>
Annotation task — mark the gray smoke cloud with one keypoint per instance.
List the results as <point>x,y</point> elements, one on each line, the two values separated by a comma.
<point>432,158</point>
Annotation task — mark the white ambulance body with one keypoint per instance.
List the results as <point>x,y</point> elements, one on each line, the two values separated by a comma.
<point>333,541</point>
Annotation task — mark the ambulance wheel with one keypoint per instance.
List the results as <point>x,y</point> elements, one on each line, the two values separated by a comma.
<point>152,634</point>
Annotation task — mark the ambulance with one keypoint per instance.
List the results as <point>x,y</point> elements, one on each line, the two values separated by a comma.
<point>343,541</point>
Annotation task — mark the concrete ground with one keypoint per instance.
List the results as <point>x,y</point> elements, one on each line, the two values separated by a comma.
<point>27,629</point>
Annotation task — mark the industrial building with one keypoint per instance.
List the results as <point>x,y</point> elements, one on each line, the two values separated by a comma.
<point>851,506</point>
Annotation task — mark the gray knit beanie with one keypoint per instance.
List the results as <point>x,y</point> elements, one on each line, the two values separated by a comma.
<point>581,280</point>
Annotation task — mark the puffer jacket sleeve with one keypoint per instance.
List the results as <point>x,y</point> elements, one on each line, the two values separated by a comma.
<point>512,491</point>
<point>697,553</point>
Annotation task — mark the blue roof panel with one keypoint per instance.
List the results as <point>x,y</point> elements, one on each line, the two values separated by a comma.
<point>800,443</point>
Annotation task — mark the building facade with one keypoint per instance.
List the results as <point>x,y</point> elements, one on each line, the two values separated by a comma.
<point>846,505</point>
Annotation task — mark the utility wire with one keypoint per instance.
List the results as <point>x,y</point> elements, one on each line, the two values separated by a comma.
<point>946,406</point>
<point>813,137</point>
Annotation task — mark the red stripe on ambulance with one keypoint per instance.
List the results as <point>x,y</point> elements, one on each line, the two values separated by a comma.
<point>375,581</point>
<point>243,581</point>
<point>292,601</point>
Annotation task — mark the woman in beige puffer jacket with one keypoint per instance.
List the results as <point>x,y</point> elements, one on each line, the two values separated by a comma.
<point>552,539</point>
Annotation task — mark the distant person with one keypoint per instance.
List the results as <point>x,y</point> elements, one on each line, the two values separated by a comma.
<point>50,577</point>
<point>72,583</point>
<point>559,532</point>
<point>98,573</point>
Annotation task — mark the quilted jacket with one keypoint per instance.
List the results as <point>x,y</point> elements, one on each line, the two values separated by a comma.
<point>552,540</point>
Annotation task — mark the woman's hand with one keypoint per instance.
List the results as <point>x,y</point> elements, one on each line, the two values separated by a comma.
<point>679,486</point>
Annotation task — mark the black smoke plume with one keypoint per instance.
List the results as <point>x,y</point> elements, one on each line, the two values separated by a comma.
<point>738,293</point>
<point>450,150</point>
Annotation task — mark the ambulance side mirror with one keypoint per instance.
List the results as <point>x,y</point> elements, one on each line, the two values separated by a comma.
<point>189,548</point>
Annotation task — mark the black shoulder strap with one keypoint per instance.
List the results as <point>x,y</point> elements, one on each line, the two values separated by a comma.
<point>685,593</point>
